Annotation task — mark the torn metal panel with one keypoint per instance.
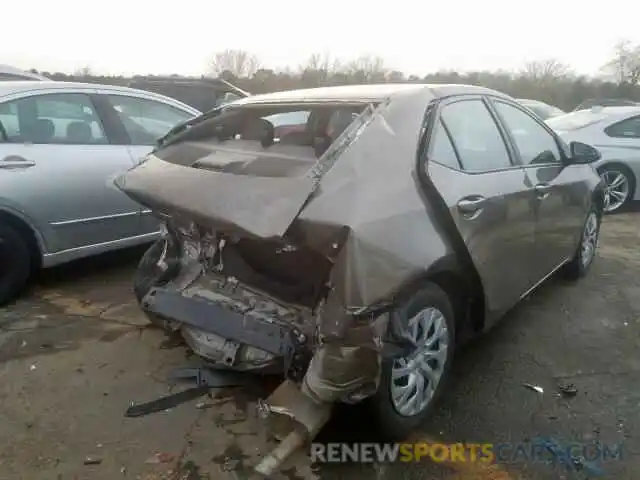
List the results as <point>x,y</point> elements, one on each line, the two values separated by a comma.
<point>249,205</point>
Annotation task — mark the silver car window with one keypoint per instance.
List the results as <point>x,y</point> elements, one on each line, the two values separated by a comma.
<point>56,118</point>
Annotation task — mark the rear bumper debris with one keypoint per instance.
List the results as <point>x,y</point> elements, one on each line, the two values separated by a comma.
<point>282,342</point>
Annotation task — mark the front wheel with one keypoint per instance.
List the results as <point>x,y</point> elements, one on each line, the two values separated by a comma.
<point>410,385</point>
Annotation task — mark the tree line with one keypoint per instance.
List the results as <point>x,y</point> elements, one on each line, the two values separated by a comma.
<point>547,80</point>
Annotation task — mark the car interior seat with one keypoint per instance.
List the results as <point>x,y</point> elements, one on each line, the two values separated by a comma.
<point>42,131</point>
<point>79,133</point>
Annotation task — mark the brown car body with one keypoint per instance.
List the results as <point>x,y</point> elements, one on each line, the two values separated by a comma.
<point>266,240</point>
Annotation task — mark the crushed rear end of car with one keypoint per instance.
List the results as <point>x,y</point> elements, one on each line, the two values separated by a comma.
<point>275,260</point>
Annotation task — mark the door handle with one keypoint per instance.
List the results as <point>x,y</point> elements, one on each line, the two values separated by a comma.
<point>542,189</point>
<point>471,205</point>
<point>15,161</point>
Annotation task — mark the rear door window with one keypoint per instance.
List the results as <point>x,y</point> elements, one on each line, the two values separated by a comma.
<point>629,128</point>
<point>441,149</point>
<point>59,118</point>
<point>476,136</point>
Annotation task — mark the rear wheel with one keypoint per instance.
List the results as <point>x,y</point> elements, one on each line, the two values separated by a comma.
<point>150,274</point>
<point>15,263</point>
<point>410,385</point>
<point>586,253</point>
<point>620,185</point>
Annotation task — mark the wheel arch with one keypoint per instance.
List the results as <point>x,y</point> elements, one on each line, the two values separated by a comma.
<point>622,165</point>
<point>34,240</point>
<point>465,292</point>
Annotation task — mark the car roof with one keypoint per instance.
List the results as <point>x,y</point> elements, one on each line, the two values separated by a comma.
<point>23,74</point>
<point>608,112</point>
<point>361,93</point>
<point>529,100</point>
<point>619,110</point>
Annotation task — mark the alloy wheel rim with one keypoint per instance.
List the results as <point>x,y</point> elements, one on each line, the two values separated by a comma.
<point>616,189</point>
<point>414,378</point>
<point>589,239</point>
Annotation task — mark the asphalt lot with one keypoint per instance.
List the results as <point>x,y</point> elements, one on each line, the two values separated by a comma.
<point>75,351</point>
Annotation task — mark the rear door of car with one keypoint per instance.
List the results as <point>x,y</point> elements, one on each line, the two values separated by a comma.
<point>139,121</point>
<point>488,195</point>
<point>55,160</point>
<point>560,191</point>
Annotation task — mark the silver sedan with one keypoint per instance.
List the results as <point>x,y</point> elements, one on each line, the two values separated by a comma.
<point>615,131</point>
<point>59,145</point>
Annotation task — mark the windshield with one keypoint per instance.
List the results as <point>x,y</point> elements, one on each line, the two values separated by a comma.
<point>575,120</point>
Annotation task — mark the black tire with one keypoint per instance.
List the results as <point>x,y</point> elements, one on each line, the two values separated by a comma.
<point>577,268</point>
<point>631,179</point>
<point>15,263</point>
<point>393,426</point>
<point>149,274</point>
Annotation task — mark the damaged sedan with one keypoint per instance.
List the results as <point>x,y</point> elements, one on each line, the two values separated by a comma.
<point>356,253</point>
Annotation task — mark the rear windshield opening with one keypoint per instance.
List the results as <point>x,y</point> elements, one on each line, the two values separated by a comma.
<point>245,134</point>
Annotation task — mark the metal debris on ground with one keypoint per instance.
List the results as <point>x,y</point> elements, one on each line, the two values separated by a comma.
<point>204,378</point>
<point>535,388</point>
<point>204,405</point>
<point>568,390</point>
<point>92,461</point>
<point>160,458</point>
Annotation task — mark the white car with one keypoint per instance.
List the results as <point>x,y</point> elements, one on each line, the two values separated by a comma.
<point>60,143</point>
<point>615,131</point>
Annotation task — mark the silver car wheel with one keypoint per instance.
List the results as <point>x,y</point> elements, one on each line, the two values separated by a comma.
<point>589,239</point>
<point>616,189</point>
<point>414,378</point>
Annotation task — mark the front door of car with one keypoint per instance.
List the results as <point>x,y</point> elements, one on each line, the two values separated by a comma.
<point>143,121</point>
<point>58,157</point>
<point>489,198</point>
<point>560,191</point>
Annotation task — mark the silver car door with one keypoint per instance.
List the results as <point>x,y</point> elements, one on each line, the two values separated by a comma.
<point>144,120</point>
<point>59,159</point>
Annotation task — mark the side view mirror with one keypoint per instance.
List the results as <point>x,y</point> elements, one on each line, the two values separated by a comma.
<point>582,153</point>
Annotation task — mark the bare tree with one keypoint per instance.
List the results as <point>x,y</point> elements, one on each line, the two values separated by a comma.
<point>238,63</point>
<point>367,68</point>
<point>545,70</point>
<point>322,62</point>
<point>625,64</point>
<point>83,72</point>
<point>319,68</point>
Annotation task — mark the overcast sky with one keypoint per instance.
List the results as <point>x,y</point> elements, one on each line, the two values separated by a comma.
<point>141,36</point>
